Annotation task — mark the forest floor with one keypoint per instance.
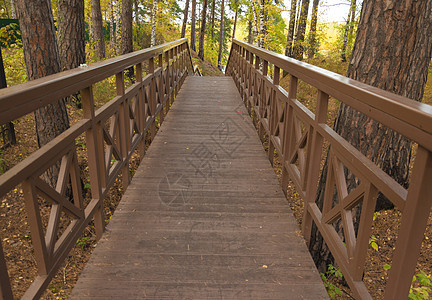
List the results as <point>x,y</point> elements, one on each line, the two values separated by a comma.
<point>15,231</point>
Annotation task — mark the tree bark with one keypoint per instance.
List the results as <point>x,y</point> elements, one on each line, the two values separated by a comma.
<point>42,58</point>
<point>185,18</point>
<point>392,51</point>
<point>250,32</point>
<point>212,19</point>
<point>154,20</point>
<point>263,25</point>
<point>13,14</point>
<point>126,32</point>
<point>348,26</point>
<point>112,28</point>
<point>291,27</point>
<point>221,36</point>
<point>71,38</point>
<point>235,22</point>
<point>202,30</point>
<point>98,37</point>
<point>312,31</point>
<point>193,25</point>
<point>116,14</point>
<point>300,34</point>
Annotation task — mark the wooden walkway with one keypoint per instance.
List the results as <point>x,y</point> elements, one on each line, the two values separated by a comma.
<point>204,216</point>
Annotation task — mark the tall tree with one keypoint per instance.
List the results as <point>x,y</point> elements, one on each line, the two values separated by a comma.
<point>221,36</point>
<point>291,28</point>
<point>212,19</point>
<point>394,58</point>
<point>312,31</point>
<point>202,30</point>
<point>71,33</point>
<point>126,32</point>
<point>348,28</point>
<point>153,20</point>
<point>192,45</point>
<point>236,8</point>
<point>116,23</point>
<point>263,23</point>
<point>13,14</point>
<point>98,37</point>
<point>185,18</point>
<point>300,33</point>
<point>41,57</point>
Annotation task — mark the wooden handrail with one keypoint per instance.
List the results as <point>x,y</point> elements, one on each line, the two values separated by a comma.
<point>298,136</point>
<point>112,134</point>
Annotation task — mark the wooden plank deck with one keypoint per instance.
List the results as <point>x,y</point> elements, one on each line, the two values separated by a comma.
<point>204,216</point>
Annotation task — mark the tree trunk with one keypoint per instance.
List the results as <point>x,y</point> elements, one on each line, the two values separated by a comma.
<point>98,37</point>
<point>126,32</point>
<point>300,34</point>
<point>185,18</point>
<point>212,19</point>
<point>255,28</point>
<point>392,51</point>
<point>154,20</point>
<point>116,14</point>
<point>112,28</point>
<point>221,36</point>
<point>312,31</point>
<point>263,25</point>
<point>71,38</point>
<point>235,22</point>
<point>250,32</point>
<point>13,14</point>
<point>137,24</point>
<point>348,26</point>
<point>42,58</point>
<point>291,27</point>
<point>202,30</point>
<point>192,45</point>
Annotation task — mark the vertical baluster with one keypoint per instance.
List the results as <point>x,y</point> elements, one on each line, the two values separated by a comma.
<point>140,112</point>
<point>5,287</point>
<point>413,224</point>
<point>124,135</point>
<point>273,118</point>
<point>161,88</point>
<point>287,144</point>
<point>313,161</point>
<point>152,99</point>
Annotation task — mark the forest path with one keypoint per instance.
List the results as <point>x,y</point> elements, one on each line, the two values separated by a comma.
<point>204,216</point>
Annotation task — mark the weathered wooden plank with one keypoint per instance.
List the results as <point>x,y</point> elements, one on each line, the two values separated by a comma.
<point>204,216</point>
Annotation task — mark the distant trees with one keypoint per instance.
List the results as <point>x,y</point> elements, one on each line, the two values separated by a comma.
<point>185,18</point>
<point>348,28</point>
<point>192,39</point>
<point>221,36</point>
<point>298,49</point>
<point>312,31</point>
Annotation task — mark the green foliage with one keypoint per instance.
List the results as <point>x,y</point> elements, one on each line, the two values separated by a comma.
<point>420,287</point>
<point>15,70</point>
<point>83,242</point>
<point>10,36</point>
<point>372,242</point>
<point>332,272</point>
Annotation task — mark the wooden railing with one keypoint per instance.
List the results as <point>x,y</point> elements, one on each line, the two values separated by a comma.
<point>112,134</point>
<point>300,137</point>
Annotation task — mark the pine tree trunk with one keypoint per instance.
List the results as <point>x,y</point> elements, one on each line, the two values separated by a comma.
<point>263,25</point>
<point>394,58</point>
<point>126,32</point>
<point>98,37</point>
<point>137,24</point>
<point>312,31</point>
<point>192,45</point>
<point>250,32</point>
<point>112,29</point>
<point>117,27</point>
<point>291,27</point>
<point>299,39</point>
<point>185,18</point>
<point>212,19</point>
<point>235,22</point>
<point>42,58</point>
<point>221,36</point>
<point>71,39</point>
<point>348,25</point>
<point>202,30</point>
<point>13,14</point>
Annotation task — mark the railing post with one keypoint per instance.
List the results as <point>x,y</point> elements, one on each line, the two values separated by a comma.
<point>288,128</point>
<point>140,110</point>
<point>5,287</point>
<point>412,228</point>
<point>262,99</point>
<point>314,162</point>
<point>152,99</point>
<point>123,128</point>
<point>273,118</point>
<point>161,88</point>
<point>95,152</point>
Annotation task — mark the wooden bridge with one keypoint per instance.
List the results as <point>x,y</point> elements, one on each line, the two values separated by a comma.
<point>204,215</point>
